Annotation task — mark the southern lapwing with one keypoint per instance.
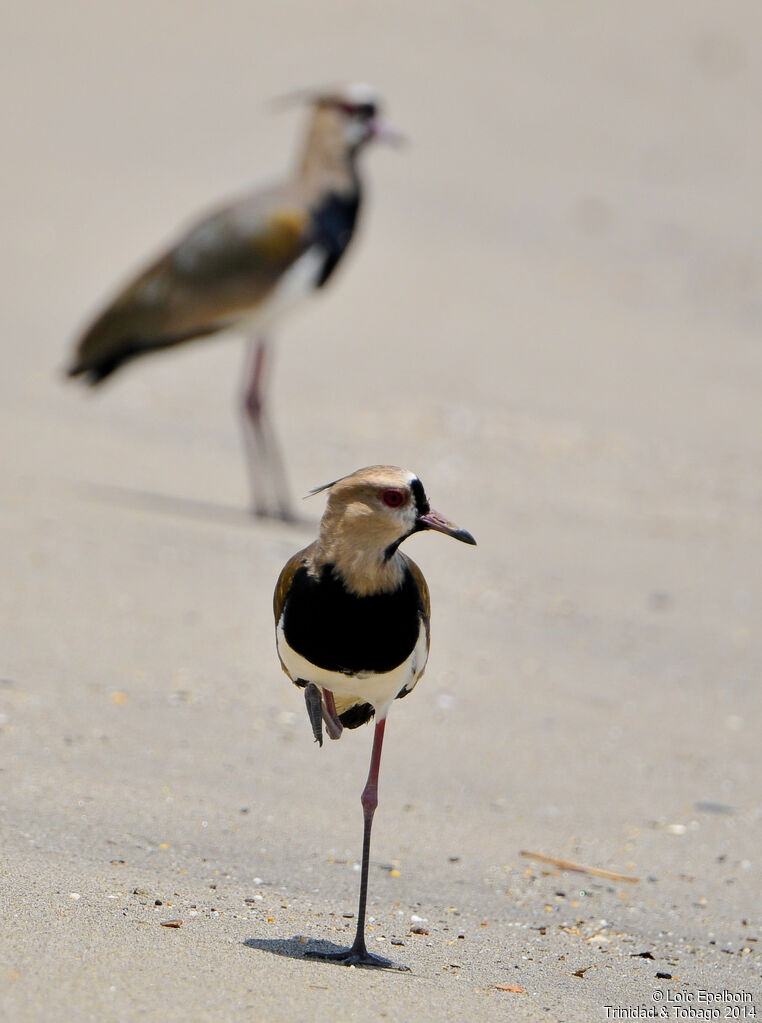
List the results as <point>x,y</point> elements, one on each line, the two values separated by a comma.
<point>352,623</point>
<point>246,263</point>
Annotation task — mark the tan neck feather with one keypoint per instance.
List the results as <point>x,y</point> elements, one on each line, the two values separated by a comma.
<point>325,161</point>
<point>358,557</point>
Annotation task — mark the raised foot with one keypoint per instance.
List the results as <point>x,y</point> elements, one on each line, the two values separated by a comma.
<point>356,957</point>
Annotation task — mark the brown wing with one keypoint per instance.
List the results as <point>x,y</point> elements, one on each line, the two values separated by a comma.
<point>283,585</point>
<point>285,578</point>
<point>221,269</point>
<point>423,587</point>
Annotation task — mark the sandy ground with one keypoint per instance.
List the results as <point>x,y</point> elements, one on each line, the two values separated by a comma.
<point>553,316</point>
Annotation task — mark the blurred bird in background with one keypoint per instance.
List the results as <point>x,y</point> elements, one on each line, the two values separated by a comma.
<point>244,265</point>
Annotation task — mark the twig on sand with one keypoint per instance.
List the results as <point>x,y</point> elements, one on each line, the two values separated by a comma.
<point>580,868</point>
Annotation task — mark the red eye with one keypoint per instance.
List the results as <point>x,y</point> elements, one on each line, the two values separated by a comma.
<point>394,498</point>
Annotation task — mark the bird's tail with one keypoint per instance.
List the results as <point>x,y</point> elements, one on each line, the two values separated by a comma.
<point>115,339</point>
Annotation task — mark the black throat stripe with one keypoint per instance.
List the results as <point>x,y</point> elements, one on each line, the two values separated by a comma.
<point>421,501</point>
<point>422,507</point>
<point>338,631</point>
<point>333,226</point>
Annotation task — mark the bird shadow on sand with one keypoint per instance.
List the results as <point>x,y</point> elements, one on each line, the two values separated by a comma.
<point>189,508</point>
<point>309,950</point>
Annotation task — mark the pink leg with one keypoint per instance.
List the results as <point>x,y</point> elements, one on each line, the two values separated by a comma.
<point>369,800</point>
<point>333,725</point>
<point>263,455</point>
<point>358,954</point>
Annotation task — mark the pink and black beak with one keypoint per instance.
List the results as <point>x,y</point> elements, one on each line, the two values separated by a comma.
<point>427,518</point>
<point>379,128</point>
<point>433,520</point>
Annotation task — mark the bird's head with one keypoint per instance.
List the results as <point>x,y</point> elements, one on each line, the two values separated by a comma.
<point>345,118</point>
<point>371,512</point>
<point>356,109</point>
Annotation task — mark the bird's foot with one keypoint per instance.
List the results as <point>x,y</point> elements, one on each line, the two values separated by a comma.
<point>322,707</point>
<point>356,956</point>
<point>314,702</point>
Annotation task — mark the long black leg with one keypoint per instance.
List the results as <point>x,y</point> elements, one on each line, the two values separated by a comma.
<point>358,954</point>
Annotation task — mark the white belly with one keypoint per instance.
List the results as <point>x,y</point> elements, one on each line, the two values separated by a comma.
<point>296,284</point>
<point>375,688</point>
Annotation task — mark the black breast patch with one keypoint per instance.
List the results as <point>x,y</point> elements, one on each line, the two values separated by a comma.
<point>333,226</point>
<point>338,631</point>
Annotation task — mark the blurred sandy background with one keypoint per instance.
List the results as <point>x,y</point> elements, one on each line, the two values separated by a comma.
<point>553,316</point>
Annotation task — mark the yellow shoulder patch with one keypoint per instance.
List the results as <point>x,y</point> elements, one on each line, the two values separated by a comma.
<point>280,241</point>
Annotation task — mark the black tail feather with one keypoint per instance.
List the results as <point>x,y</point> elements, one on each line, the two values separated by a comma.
<point>97,366</point>
<point>94,373</point>
<point>358,715</point>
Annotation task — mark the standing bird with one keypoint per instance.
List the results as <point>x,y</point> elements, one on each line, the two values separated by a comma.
<point>352,623</point>
<point>243,265</point>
